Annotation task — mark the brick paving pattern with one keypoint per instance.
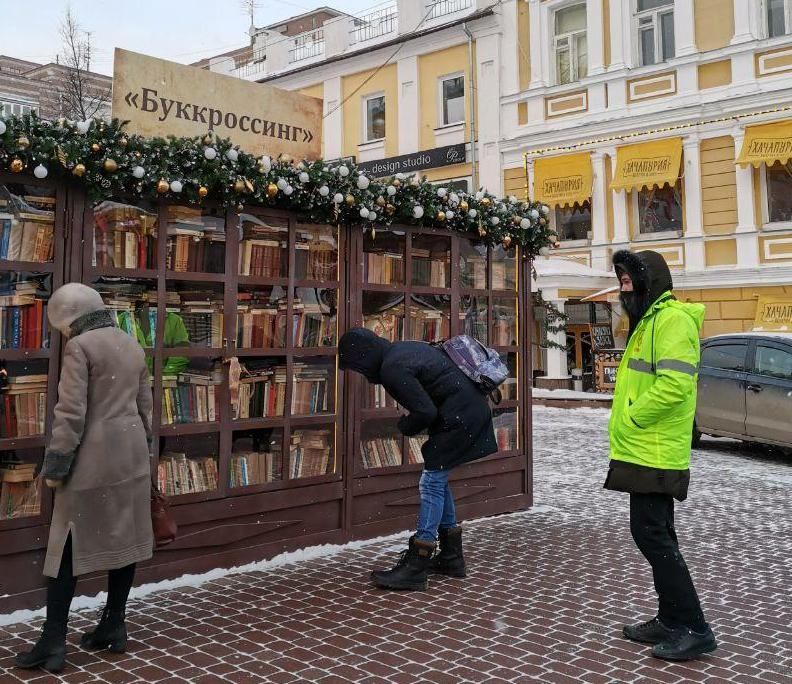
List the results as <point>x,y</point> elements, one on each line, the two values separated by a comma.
<point>544,601</point>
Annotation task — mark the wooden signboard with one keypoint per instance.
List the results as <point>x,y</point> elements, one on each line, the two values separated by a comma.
<point>773,314</point>
<point>602,336</point>
<point>161,98</point>
<point>606,364</point>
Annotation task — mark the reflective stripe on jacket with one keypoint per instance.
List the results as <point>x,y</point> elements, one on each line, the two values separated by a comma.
<point>654,403</point>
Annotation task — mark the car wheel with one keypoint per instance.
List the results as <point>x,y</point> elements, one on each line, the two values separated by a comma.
<point>696,441</point>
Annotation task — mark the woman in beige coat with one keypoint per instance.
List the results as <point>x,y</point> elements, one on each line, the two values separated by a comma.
<point>98,462</point>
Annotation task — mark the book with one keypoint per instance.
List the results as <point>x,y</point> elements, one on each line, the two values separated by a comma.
<point>187,398</point>
<point>383,268</point>
<point>262,393</point>
<point>381,452</point>
<point>255,467</point>
<point>178,473</point>
<point>310,453</point>
<point>23,406</point>
<point>19,499</point>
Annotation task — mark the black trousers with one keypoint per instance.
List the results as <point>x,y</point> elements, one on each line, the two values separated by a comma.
<point>652,528</point>
<point>60,590</point>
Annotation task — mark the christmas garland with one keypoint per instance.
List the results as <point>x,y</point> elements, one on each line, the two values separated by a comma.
<point>111,163</point>
<point>554,322</point>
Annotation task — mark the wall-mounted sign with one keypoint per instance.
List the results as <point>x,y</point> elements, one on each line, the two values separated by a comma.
<point>161,98</point>
<point>408,163</point>
<point>773,314</point>
<point>602,336</point>
<point>606,366</point>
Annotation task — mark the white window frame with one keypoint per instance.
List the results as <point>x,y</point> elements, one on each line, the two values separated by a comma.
<point>766,19</point>
<point>364,100</point>
<point>573,61</point>
<point>572,243</point>
<point>441,123</point>
<point>659,235</point>
<point>655,13</point>
<point>765,199</point>
<point>23,107</point>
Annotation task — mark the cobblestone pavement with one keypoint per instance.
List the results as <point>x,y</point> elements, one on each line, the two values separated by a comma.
<point>544,602</point>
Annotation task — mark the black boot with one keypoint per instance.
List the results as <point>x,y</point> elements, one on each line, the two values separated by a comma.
<point>652,632</point>
<point>411,570</point>
<point>110,633</point>
<point>49,652</point>
<point>449,560</point>
<point>685,644</point>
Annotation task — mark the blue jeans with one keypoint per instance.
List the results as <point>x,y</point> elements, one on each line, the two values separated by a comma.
<point>437,504</point>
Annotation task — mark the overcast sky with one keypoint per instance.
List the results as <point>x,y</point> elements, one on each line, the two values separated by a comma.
<point>180,30</point>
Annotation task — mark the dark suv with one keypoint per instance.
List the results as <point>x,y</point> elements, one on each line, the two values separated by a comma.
<point>745,388</point>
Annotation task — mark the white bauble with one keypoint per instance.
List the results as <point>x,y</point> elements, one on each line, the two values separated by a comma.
<point>400,176</point>
<point>364,213</point>
<point>338,198</point>
<point>282,184</point>
<point>83,126</point>
<point>391,190</point>
<point>442,192</point>
<point>2,127</point>
<point>40,171</point>
<point>304,177</point>
<point>301,166</point>
<point>472,213</point>
<point>449,215</point>
<point>232,155</point>
<point>288,190</point>
<point>210,153</point>
<point>266,164</point>
<point>453,198</point>
<point>343,171</point>
<point>363,182</point>
<point>544,251</point>
<point>479,195</point>
<point>324,191</point>
<point>534,214</point>
<point>138,172</point>
<point>513,199</point>
<point>176,186</point>
<point>418,211</point>
<point>545,209</point>
<point>525,224</point>
<point>495,220</point>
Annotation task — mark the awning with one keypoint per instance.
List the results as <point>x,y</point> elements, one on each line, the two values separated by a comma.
<point>562,181</point>
<point>648,164</point>
<point>609,294</point>
<point>767,143</point>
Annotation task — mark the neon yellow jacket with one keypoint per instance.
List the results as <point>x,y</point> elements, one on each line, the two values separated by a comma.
<point>175,335</point>
<point>654,402</point>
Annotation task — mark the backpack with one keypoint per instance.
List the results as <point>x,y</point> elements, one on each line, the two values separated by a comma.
<point>481,364</point>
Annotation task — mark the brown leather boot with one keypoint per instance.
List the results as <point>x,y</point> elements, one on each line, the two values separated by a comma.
<point>411,570</point>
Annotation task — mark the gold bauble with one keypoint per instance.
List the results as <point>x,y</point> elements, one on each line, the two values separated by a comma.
<point>240,208</point>
<point>350,200</point>
<point>79,170</point>
<point>542,221</point>
<point>203,191</point>
<point>96,147</point>
<point>396,183</point>
<point>17,165</point>
<point>482,231</point>
<point>239,185</point>
<point>390,209</point>
<point>516,220</point>
<point>110,165</point>
<point>163,186</point>
<point>440,216</point>
<point>285,158</point>
<point>123,142</point>
<point>23,142</point>
<point>485,201</point>
<point>463,206</point>
<point>138,155</point>
<point>207,139</point>
<point>272,190</point>
<point>381,201</point>
<point>507,240</point>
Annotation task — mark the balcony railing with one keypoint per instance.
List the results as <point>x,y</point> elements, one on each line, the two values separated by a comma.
<point>307,45</point>
<point>252,66</point>
<point>440,8</point>
<point>375,24</point>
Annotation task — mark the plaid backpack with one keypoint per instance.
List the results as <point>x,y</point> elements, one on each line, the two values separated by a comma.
<point>481,364</point>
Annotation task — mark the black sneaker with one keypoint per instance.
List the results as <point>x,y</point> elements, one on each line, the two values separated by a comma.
<point>652,632</point>
<point>686,644</point>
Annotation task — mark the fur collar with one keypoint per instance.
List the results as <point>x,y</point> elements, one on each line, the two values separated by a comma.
<point>91,321</point>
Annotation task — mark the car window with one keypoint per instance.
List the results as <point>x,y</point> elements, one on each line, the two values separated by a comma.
<point>774,362</point>
<point>724,356</point>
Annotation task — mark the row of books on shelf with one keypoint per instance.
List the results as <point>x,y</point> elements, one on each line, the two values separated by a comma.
<point>201,312</point>
<point>383,268</point>
<point>311,452</point>
<point>316,258</point>
<point>189,398</point>
<point>23,406</point>
<point>428,271</point>
<point>256,467</point>
<point>190,251</point>
<point>382,452</point>
<point>179,474</point>
<point>19,490</point>
<point>23,317</point>
<point>124,236</point>
<point>27,236</point>
<point>261,324</point>
<point>474,274</point>
<point>262,392</point>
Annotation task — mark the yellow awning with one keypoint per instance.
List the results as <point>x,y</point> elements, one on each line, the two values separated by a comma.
<point>767,143</point>
<point>648,164</point>
<point>562,181</point>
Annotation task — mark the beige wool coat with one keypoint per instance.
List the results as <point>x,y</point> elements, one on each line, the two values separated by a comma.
<point>99,449</point>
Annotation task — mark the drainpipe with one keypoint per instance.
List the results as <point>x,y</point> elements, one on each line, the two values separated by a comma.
<point>472,69</point>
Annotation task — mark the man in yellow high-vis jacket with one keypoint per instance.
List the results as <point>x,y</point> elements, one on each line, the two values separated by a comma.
<point>651,430</point>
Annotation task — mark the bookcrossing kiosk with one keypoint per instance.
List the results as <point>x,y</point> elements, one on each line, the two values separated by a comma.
<point>238,294</point>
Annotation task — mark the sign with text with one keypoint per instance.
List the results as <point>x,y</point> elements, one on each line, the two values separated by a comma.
<point>602,336</point>
<point>773,314</point>
<point>161,98</point>
<point>408,163</point>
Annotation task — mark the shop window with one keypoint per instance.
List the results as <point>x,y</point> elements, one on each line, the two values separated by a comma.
<point>452,98</point>
<point>660,209</point>
<point>779,17</point>
<point>573,223</point>
<point>374,115</point>
<point>779,192</point>
<point>571,52</point>
<point>655,20</point>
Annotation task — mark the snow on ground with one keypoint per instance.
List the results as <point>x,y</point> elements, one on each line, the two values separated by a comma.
<point>540,393</point>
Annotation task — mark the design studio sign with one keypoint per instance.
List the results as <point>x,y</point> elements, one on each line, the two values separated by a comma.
<point>417,161</point>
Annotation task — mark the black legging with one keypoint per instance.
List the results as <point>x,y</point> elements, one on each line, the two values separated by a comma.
<point>60,590</point>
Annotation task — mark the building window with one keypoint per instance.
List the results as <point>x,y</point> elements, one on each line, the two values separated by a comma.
<point>779,192</point>
<point>573,223</point>
<point>15,109</point>
<point>655,30</point>
<point>660,209</point>
<point>779,17</point>
<point>452,99</point>
<point>571,53</point>
<point>374,118</point>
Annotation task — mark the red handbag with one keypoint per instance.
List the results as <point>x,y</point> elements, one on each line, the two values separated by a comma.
<point>162,523</point>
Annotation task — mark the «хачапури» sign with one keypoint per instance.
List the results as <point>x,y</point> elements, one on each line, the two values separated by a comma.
<point>161,98</point>
<point>407,163</point>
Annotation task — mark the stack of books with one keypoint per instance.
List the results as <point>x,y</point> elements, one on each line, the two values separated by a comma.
<point>389,326</point>
<point>263,251</point>
<point>124,236</point>
<point>311,325</point>
<point>202,314</point>
<point>19,494</point>
<point>194,244</point>
<point>27,236</point>
<point>315,256</point>
<point>261,322</point>
<point>309,389</point>
<point>124,298</point>
<point>414,444</point>
<point>256,467</point>
<point>381,452</point>
<point>427,270</point>
<point>310,453</point>
<point>262,393</point>
<point>24,406</point>
<point>23,316</point>
<point>428,325</point>
<point>179,474</point>
<point>190,398</point>
<point>380,398</point>
<point>383,268</point>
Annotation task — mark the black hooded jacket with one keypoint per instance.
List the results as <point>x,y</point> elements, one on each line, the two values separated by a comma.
<point>439,397</point>
<point>651,278</point>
